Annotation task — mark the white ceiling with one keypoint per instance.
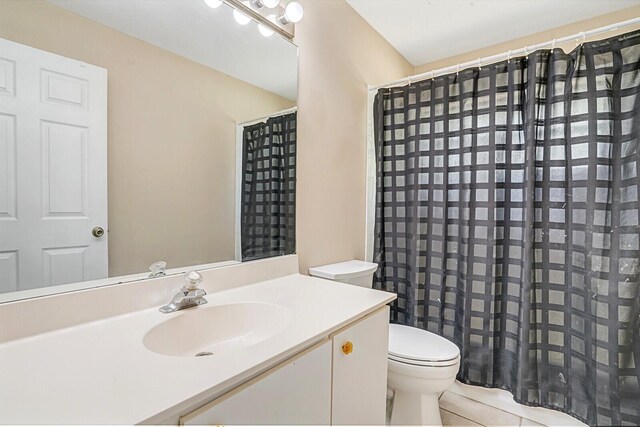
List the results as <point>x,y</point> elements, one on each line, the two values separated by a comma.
<point>207,36</point>
<point>427,30</point>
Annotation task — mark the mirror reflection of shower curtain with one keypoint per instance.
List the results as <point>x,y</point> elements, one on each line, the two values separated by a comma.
<point>268,205</point>
<point>508,221</point>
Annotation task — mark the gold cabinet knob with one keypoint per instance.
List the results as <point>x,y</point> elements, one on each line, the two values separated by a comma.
<point>347,348</point>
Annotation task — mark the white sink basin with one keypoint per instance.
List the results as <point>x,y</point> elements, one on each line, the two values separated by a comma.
<point>214,329</point>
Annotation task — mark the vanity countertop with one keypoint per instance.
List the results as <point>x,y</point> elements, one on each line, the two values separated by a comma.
<point>101,372</point>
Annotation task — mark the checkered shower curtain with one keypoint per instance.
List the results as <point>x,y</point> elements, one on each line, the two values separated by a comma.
<point>507,220</point>
<point>268,205</point>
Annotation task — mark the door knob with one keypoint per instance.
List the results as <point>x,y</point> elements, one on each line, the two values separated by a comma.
<point>97,231</point>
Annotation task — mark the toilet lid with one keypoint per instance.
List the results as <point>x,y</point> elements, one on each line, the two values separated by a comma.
<point>406,342</point>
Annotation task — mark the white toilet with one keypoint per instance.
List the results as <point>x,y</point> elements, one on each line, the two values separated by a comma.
<point>421,364</point>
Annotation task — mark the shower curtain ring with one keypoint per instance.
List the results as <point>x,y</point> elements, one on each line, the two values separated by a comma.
<point>479,65</point>
<point>457,69</point>
<point>578,40</point>
<point>509,57</point>
<point>553,44</point>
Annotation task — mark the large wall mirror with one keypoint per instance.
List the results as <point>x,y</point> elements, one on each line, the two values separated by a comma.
<point>138,131</point>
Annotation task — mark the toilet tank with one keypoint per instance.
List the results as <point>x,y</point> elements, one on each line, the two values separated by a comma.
<point>353,272</point>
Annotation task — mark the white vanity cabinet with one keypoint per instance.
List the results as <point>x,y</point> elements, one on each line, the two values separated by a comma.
<point>342,380</point>
<point>297,391</point>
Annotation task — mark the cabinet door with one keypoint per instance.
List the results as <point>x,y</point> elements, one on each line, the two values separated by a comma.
<point>360,371</point>
<point>296,392</point>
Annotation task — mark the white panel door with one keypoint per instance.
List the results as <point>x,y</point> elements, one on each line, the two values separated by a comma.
<point>53,169</point>
<point>359,391</point>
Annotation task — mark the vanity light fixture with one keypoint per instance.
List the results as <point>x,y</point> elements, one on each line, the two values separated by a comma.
<point>213,3</point>
<point>293,12</point>
<point>281,20</point>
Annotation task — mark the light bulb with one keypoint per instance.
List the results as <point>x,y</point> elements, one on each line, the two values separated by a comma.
<point>270,3</point>
<point>293,12</point>
<point>265,31</point>
<point>240,17</point>
<point>213,3</point>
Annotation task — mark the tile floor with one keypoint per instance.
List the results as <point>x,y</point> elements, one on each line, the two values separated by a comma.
<point>458,410</point>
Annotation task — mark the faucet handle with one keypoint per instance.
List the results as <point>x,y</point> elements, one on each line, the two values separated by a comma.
<point>157,269</point>
<point>192,280</point>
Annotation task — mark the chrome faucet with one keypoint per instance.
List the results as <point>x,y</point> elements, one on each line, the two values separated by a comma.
<point>189,296</point>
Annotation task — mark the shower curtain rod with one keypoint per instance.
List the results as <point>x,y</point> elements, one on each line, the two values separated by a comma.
<point>277,113</point>
<point>487,60</point>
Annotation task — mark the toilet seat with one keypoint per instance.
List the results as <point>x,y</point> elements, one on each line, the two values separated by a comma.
<point>417,347</point>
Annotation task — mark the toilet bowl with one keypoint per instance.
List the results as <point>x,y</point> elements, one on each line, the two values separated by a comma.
<point>421,365</point>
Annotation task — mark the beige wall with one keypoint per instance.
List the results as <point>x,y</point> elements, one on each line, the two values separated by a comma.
<point>544,36</point>
<point>339,55</point>
<point>171,128</point>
